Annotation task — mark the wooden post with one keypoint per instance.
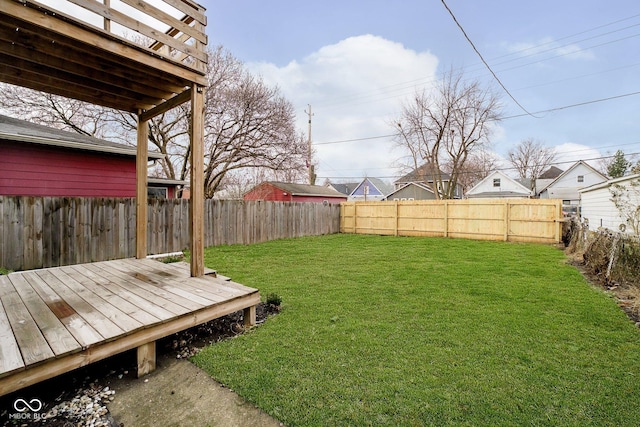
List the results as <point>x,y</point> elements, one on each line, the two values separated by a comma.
<point>146,358</point>
<point>507,216</point>
<point>196,213</point>
<point>558,221</point>
<point>250,316</point>
<point>141,188</point>
<point>397,216</point>
<point>446,218</point>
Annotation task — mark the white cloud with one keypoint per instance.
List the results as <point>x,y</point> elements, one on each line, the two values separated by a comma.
<point>570,152</point>
<point>355,88</point>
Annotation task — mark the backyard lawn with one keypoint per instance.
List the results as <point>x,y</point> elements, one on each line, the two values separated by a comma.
<point>419,331</point>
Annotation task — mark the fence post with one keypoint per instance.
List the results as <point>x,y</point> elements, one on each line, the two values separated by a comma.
<point>507,215</point>
<point>397,217</point>
<point>446,218</point>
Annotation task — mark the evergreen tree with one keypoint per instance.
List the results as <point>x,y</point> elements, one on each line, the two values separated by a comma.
<point>618,166</point>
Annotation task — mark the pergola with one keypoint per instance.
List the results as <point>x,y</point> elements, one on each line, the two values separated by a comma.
<point>140,56</point>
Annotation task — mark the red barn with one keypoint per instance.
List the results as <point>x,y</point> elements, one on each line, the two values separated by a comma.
<point>286,192</point>
<point>42,161</point>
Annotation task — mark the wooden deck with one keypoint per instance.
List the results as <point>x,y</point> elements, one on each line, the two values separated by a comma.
<point>58,319</point>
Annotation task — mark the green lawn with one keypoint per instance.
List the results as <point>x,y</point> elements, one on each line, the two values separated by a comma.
<point>419,331</point>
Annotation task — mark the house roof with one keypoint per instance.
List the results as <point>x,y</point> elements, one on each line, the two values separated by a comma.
<point>422,172</point>
<point>609,182</point>
<point>420,185</point>
<point>306,189</point>
<point>19,130</point>
<point>166,181</point>
<point>525,190</point>
<point>551,173</point>
<point>345,188</point>
<point>575,165</point>
<point>382,186</point>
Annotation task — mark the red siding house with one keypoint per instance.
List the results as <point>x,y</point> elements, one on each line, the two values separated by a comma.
<point>287,192</point>
<point>42,161</point>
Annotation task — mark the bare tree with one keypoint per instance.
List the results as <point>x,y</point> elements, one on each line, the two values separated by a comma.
<point>444,127</point>
<point>479,165</point>
<point>531,158</point>
<point>52,110</point>
<point>247,125</point>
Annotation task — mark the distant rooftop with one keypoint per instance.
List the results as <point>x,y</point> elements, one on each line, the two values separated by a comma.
<point>23,131</point>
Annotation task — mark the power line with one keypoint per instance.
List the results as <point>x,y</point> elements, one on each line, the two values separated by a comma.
<point>550,110</point>
<point>579,104</point>
<point>566,162</point>
<point>483,61</point>
<point>357,139</point>
<point>402,87</point>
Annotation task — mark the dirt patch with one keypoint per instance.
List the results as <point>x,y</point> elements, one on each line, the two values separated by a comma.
<point>81,397</point>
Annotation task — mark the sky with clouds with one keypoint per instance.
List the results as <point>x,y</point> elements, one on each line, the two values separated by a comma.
<point>356,62</point>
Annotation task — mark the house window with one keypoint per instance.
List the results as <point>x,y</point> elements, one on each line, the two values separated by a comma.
<point>580,178</point>
<point>496,182</point>
<point>157,192</point>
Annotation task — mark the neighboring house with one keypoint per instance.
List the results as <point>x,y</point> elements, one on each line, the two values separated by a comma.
<point>423,175</point>
<point>598,209</point>
<point>164,188</point>
<point>42,161</point>
<point>546,178</point>
<point>568,183</point>
<point>288,192</point>
<point>498,185</point>
<point>344,188</point>
<point>370,189</point>
<point>412,191</point>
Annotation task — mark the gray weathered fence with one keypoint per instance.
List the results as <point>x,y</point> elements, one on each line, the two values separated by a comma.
<point>38,232</point>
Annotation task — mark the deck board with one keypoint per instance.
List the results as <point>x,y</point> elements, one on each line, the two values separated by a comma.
<point>119,291</point>
<point>10,357</point>
<point>33,346</point>
<point>60,340</point>
<point>150,289</point>
<point>223,287</point>
<point>136,312</point>
<point>154,277</point>
<point>112,312</point>
<point>82,331</point>
<point>197,286</point>
<point>101,323</point>
<point>58,319</point>
<point>140,289</point>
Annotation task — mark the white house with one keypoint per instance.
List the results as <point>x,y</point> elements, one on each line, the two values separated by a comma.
<point>566,186</point>
<point>498,185</point>
<point>599,210</point>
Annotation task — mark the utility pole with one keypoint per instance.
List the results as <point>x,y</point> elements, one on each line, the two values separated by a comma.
<point>312,175</point>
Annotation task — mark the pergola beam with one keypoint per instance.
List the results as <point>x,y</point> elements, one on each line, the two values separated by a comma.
<point>167,105</point>
<point>196,213</point>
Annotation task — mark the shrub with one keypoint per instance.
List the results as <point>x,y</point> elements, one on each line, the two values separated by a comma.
<point>274,299</point>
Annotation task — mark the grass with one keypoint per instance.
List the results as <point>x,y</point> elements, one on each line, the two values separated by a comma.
<point>418,331</point>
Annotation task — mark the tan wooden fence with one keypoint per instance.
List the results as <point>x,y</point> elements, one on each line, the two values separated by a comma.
<point>38,232</point>
<point>514,220</point>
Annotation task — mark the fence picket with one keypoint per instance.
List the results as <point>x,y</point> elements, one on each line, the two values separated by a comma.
<point>38,232</point>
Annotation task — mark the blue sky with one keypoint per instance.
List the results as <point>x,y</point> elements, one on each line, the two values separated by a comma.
<point>356,62</point>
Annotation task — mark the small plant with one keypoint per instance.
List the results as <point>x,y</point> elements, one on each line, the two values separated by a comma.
<point>274,299</point>
<point>172,258</point>
<point>4,271</point>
